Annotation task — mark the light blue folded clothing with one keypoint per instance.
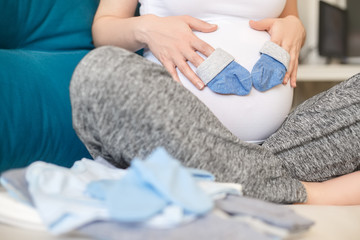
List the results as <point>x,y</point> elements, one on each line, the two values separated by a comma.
<point>148,186</point>
<point>59,194</point>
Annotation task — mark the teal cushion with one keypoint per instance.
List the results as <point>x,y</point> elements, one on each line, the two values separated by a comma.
<point>46,24</point>
<point>35,111</point>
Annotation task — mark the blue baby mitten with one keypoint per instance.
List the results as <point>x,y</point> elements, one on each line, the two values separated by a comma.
<point>269,71</point>
<point>223,75</point>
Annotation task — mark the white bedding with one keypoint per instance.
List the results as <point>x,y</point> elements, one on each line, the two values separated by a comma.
<point>331,222</point>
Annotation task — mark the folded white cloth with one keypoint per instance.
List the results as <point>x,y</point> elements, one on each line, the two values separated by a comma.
<point>14,213</point>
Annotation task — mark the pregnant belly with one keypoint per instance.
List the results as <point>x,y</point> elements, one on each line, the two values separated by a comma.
<point>254,117</point>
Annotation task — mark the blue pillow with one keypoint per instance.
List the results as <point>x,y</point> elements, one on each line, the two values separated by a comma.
<point>35,111</point>
<point>46,24</point>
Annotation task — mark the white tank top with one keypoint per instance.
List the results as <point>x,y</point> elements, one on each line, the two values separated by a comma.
<point>251,118</point>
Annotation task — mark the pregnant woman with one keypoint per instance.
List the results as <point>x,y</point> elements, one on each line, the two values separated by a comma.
<point>254,117</point>
<point>124,106</point>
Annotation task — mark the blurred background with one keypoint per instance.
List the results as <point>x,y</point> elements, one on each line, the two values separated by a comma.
<point>331,52</point>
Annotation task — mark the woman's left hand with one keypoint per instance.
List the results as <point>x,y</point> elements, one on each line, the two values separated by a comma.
<point>289,33</point>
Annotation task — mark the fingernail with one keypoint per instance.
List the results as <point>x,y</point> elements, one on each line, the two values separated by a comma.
<point>200,85</point>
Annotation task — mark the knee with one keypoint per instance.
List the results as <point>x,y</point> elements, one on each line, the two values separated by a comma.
<point>95,70</point>
<point>96,63</point>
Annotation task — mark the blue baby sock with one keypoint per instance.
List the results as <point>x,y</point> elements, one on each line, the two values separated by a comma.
<point>270,69</point>
<point>223,75</point>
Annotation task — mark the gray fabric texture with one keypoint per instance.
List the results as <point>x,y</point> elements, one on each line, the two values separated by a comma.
<point>125,106</point>
<point>320,139</point>
<point>213,65</point>
<point>16,180</point>
<point>274,214</point>
<point>209,227</point>
<point>275,51</point>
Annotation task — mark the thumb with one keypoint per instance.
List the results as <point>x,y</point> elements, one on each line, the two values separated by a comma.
<point>199,25</point>
<point>262,25</point>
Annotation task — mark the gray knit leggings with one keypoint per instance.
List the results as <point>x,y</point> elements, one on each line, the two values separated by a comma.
<point>124,106</point>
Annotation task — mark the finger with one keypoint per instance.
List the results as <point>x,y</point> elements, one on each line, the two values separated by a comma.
<point>277,41</point>
<point>202,47</point>
<point>287,48</point>
<point>170,67</point>
<point>286,78</point>
<point>193,57</point>
<point>199,25</point>
<point>189,74</point>
<point>262,25</point>
<point>291,65</point>
<point>294,75</point>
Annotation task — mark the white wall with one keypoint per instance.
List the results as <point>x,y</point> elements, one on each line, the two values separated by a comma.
<point>309,14</point>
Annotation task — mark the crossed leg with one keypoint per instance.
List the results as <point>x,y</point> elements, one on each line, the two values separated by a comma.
<point>125,106</point>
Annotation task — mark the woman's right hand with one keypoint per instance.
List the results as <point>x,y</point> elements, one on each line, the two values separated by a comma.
<point>172,41</point>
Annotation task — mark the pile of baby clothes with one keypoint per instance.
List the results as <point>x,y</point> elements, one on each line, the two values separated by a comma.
<point>155,198</point>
